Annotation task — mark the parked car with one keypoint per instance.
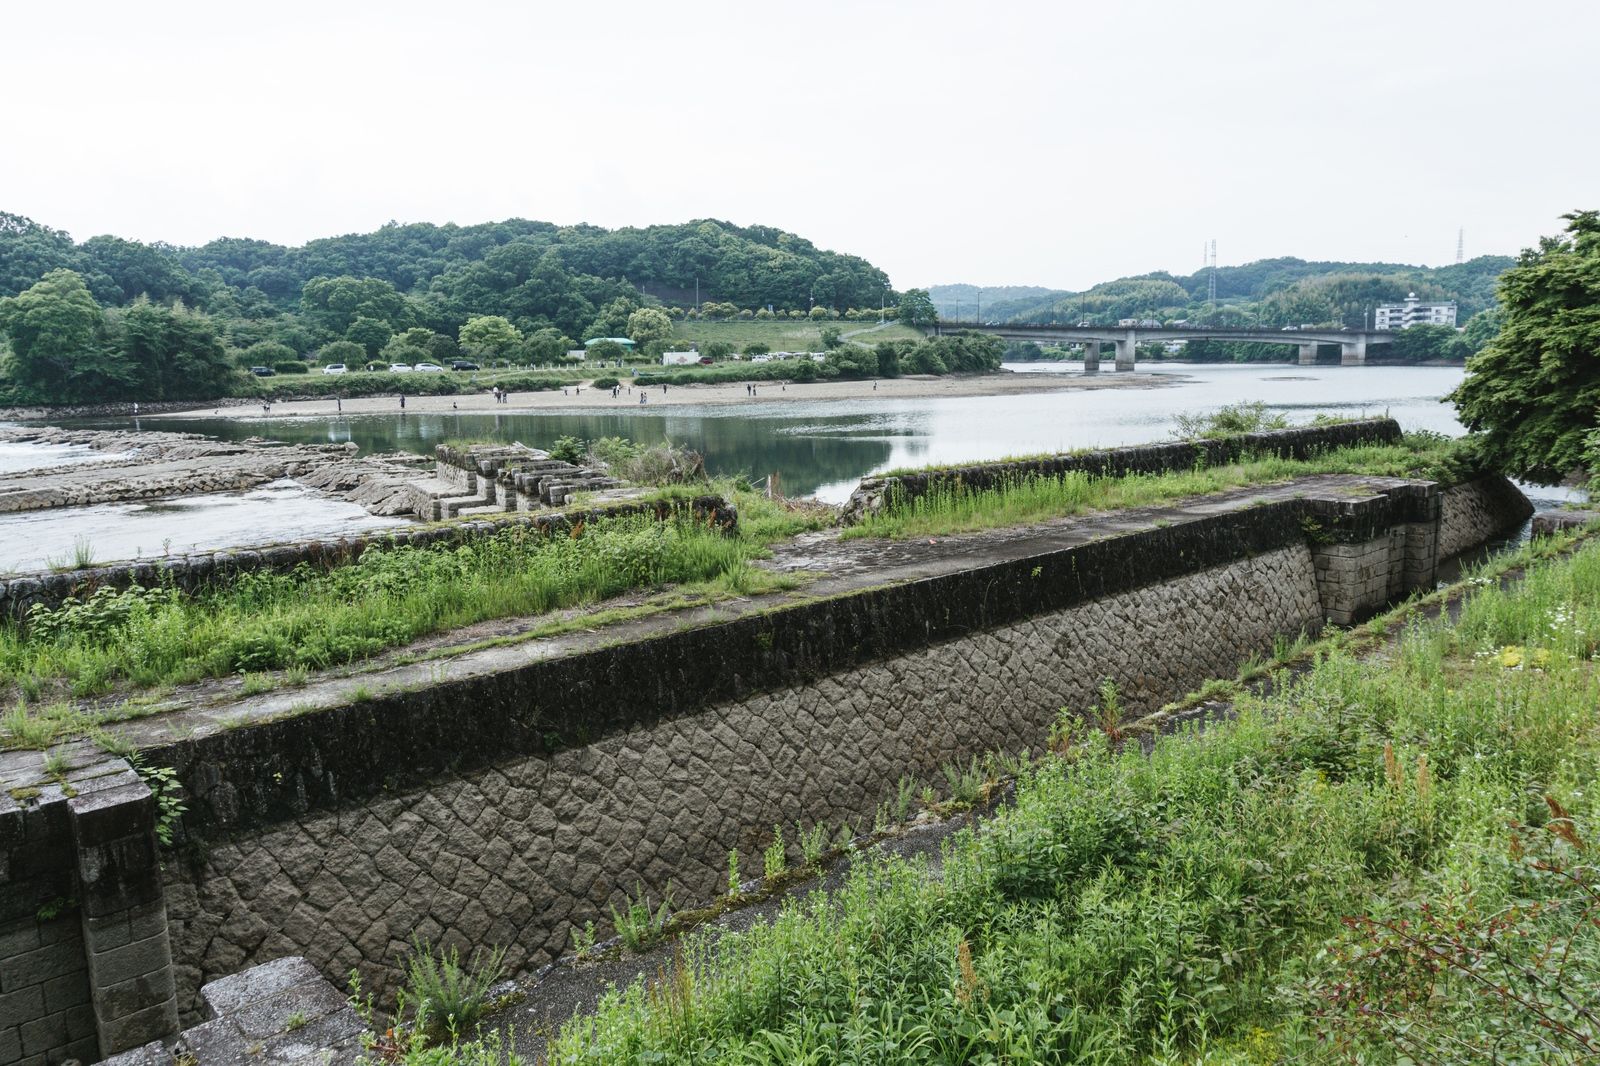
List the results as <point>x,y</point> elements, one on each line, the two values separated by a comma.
<point>463,364</point>
<point>706,360</point>
<point>333,368</point>
<point>428,368</point>
<point>399,368</point>
<point>262,371</point>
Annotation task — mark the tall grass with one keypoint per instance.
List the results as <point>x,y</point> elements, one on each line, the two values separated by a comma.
<point>1240,895</point>
<point>314,619</point>
<point>952,507</point>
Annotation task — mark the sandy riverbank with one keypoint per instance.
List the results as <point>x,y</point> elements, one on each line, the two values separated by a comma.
<point>1001,384</point>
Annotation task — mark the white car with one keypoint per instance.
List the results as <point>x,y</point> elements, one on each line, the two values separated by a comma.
<point>399,368</point>
<point>333,368</point>
<point>429,368</point>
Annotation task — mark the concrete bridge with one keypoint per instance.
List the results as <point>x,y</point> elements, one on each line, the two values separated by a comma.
<point>1352,343</point>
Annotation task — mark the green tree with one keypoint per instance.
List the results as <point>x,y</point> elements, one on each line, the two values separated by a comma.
<point>888,353</point>
<point>173,353</point>
<point>648,324</point>
<point>349,353</point>
<point>1480,329</point>
<point>916,308</point>
<point>1532,394</point>
<point>1423,343</point>
<point>266,353</point>
<point>371,333</point>
<point>548,346</point>
<point>718,350</point>
<point>606,350</point>
<point>612,321</point>
<point>334,304</point>
<point>831,337</point>
<point>489,336</point>
<point>58,354</point>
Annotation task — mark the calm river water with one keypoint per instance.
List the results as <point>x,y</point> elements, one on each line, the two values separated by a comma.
<point>823,449</point>
<point>818,449</point>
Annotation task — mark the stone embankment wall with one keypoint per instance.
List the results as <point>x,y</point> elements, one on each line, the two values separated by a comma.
<point>1470,508</point>
<point>342,835</point>
<point>1299,443</point>
<point>18,593</point>
<point>521,853</point>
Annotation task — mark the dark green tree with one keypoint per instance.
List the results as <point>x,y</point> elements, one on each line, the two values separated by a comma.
<point>889,353</point>
<point>349,353</point>
<point>266,353</point>
<point>173,353</point>
<point>916,308</point>
<point>58,350</point>
<point>371,333</point>
<point>1532,394</point>
<point>1424,343</point>
<point>606,350</point>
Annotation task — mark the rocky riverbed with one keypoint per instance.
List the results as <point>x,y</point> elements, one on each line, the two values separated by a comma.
<point>146,465</point>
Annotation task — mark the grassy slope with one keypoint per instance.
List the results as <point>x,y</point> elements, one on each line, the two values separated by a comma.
<point>309,619</point>
<point>1036,499</point>
<point>787,335</point>
<point>1326,878</point>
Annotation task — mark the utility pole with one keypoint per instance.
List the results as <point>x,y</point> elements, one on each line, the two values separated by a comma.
<point>1461,245</point>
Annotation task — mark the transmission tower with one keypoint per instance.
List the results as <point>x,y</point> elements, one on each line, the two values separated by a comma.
<point>1461,245</point>
<point>1211,262</point>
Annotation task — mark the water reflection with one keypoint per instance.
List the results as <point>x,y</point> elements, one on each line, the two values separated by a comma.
<point>825,448</point>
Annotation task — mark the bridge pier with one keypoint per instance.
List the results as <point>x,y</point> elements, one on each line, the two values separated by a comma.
<point>1126,352</point>
<point>1308,355</point>
<point>1091,357</point>
<point>1353,353</point>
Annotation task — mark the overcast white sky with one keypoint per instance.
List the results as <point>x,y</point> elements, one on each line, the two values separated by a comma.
<point>995,142</point>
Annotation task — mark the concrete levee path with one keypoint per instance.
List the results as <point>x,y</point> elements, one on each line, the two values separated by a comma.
<point>831,566</point>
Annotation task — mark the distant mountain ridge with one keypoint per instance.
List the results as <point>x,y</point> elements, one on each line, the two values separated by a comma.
<point>1276,292</point>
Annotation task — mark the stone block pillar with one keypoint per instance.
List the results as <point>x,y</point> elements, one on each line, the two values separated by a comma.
<point>1091,357</point>
<point>44,995</point>
<point>123,911</point>
<point>1353,353</point>
<point>1308,355</point>
<point>1127,352</point>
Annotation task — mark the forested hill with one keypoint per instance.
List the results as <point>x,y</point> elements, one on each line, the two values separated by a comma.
<point>1271,292</point>
<point>536,274</point>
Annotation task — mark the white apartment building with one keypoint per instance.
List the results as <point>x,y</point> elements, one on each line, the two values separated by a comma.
<point>1414,311</point>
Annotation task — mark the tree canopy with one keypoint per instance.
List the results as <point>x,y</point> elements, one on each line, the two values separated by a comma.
<point>1532,395</point>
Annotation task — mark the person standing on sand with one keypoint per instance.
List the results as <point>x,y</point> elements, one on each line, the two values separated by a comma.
<point>402,401</point>
<point>338,405</point>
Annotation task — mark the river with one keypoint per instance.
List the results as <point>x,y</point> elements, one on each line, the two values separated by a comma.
<point>823,449</point>
<point>816,449</point>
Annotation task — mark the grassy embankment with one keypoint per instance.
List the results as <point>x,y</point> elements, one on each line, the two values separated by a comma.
<point>310,619</point>
<point>317,385</point>
<point>786,335</point>
<point>958,509</point>
<point>1383,861</point>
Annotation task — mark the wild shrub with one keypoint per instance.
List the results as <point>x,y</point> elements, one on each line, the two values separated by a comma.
<point>1328,876</point>
<point>445,995</point>
<point>312,618</point>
